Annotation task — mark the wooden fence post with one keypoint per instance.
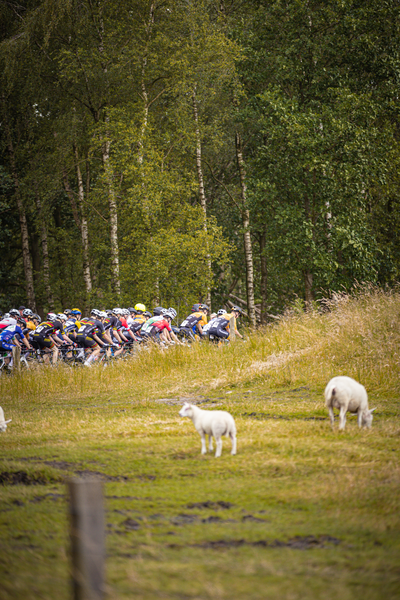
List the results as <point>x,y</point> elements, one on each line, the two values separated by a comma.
<point>87,539</point>
<point>16,354</point>
<point>232,331</point>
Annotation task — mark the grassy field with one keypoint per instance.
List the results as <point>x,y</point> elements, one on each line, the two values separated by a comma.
<point>301,512</point>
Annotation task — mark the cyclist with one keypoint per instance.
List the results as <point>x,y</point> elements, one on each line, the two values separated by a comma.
<point>9,318</point>
<point>160,326</point>
<point>8,340</point>
<point>44,337</point>
<point>220,325</point>
<point>195,321</point>
<point>29,317</point>
<point>88,335</point>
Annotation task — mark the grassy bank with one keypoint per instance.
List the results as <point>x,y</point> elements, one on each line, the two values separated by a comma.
<point>300,512</point>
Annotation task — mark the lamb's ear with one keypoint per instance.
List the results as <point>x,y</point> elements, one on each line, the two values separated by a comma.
<point>8,421</point>
<point>372,410</point>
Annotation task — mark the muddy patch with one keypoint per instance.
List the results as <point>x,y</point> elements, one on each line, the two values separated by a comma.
<point>262,416</point>
<point>184,519</point>
<point>211,505</point>
<point>131,524</point>
<point>23,478</point>
<point>87,474</point>
<point>307,542</point>
<point>252,519</point>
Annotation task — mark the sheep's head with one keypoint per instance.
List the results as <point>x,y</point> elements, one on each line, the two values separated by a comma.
<point>367,417</point>
<point>186,410</point>
<point>3,422</point>
<point>3,425</point>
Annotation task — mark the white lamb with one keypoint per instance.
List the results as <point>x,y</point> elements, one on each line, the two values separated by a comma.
<point>346,394</point>
<point>212,423</point>
<point>3,423</point>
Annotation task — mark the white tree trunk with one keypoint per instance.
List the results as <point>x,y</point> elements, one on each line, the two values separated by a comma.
<point>112,206</point>
<point>248,250</point>
<point>202,195</point>
<point>84,227</point>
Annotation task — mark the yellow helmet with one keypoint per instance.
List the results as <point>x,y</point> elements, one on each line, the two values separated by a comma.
<point>140,307</point>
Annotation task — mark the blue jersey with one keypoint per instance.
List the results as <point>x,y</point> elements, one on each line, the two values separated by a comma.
<point>7,335</point>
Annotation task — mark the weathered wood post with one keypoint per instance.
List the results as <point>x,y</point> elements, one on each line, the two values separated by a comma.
<point>16,354</point>
<point>232,330</point>
<point>87,539</point>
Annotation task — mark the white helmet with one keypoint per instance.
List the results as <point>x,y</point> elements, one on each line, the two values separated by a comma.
<point>221,311</point>
<point>62,317</point>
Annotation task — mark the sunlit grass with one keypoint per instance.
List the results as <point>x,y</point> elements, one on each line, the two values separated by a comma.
<point>359,337</point>
<point>292,476</point>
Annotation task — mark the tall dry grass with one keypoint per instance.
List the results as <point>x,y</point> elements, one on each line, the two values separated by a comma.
<point>357,335</point>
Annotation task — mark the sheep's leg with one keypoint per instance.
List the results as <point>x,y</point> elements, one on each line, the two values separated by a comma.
<point>219,446</point>
<point>210,442</point>
<point>342,418</point>
<point>331,416</point>
<point>233,438</point>
<point>203,443</point>
<point>359,418</point>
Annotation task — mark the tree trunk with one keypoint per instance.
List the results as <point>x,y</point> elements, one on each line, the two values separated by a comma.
<point>112,206</point>
<point>202,195</point>
<point>308,283</point>
<point>81,223</point>
<point>84,227</point>
<point>45,250</point>
<point>248,250</point>
<point>264,278</point>
<point>30,291</point>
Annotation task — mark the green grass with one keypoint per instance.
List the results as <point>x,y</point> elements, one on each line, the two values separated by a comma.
<point>293,476</point>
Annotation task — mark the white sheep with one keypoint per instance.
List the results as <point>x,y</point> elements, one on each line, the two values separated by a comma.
<point>3,423</point>
<point>346,394</point>
<point>212,423</point>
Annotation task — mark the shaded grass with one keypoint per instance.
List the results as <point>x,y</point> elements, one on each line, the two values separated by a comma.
<point>292,478</point>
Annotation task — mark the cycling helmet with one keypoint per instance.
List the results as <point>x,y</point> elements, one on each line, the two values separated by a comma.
<point>109,313</point>
<point>163,311</point>
<point>76,311</point>
<point>95,312</point>
<point>169,314</point>
<point>51,316</point>
<point>237,309</point>
<point>204,307</point>
<point>103,314</point>
<point>195,307</point>
<point>147,314</point>
<point>62,317</point>
<point>117,311</point>
<point>221,311</point>
<point>172,311</point>
<point>14,313</point>
<point>27,313</point>
<point>140,307</point>
<point>157,311</point>
<point>36,317</point>
<point>132,310</point>
<point>125,312</point>
<point>22,322</point>
<point>67,312</point>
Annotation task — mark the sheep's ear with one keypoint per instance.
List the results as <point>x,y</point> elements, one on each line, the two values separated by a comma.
<point>372,410</point>
<point>8,421</point>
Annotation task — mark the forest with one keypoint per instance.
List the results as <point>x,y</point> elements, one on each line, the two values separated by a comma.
<point>173,151</point>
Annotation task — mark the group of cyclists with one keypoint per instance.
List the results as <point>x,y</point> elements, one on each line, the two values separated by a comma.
<point>109,331</point>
